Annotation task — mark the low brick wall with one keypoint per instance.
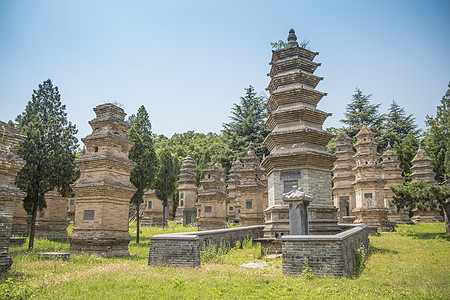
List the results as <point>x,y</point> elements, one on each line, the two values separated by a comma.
<point>183,249</point>
<point>330,255</point>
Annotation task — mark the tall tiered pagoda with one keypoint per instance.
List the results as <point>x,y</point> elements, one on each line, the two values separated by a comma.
<point>212,204</point>
<point>233,196</point>
<point>10,195</point>
<point>369,183</point>
<point>187,191</point>
<point>392,172</point>
<point>297,142</point>
<point>103,191</point>
<point>422,169</point>
<point>343,176</point>
<point>251,189</point>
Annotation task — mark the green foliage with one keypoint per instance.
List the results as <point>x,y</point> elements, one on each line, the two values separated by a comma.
<point>11,290</point>
<point>165,179</point>
<point>406,150</point>
<point>143,155</point>
<point>278,45</point>
<point>417,194</point>
<point>438,138</point>
<point>397,126</point>
<point>247,125</point>
<point>49,150</point>
<point>360,257</point>
<point>360,112</point>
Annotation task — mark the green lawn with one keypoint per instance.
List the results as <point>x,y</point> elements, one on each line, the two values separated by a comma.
<point>412,263</point>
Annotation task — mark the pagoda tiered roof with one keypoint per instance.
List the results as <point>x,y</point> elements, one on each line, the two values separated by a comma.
<point>293,77</point>
<point>292,94</point>
<point>294,114</point>
<point>291,52</point>
<point>297,135</point>
<point>290,63</point>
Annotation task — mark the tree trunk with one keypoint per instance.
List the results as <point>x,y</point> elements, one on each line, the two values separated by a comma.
<point>164,216</point>
<point>32,226</point>
<point>137,223</point>
<point>446,207</point>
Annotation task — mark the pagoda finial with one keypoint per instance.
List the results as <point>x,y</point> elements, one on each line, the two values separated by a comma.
<point>251,148</point>
<point>420,146</point>
<point>292,38</point>
<point>389,147</point>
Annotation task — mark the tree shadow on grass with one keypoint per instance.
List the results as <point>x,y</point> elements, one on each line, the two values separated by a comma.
<point>376,250</point>
<point>428,236</point>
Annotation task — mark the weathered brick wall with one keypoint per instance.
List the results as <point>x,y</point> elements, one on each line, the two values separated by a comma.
<point>7,204</point>
<point>183,249</point>
<point>331,255</point>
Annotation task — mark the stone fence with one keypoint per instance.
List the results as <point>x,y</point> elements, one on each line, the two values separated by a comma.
<point>330,255</point>
<point>183,249</point>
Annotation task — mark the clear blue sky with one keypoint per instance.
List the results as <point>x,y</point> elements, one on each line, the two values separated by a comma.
<point>189,61</point>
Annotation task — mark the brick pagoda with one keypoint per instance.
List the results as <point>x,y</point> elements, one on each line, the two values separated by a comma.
<point>297,142</point>
<point>233,196</point>
<point>10,196</point>
<point>153,209</point>
<point>211,205</point>
<point>423,170</point>
<point>343,176</point>
<point>187,191</point>
<point>369,183</point>
<point>251,189</point>
<point>103,191</point>
<point>51,222</point>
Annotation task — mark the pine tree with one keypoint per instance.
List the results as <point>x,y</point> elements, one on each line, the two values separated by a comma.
<point>49,151</point>
<point>406,150</point>
<point>360,112</point>
<point>143,155</point>
<point>438,138</point>
<point>165,179</point>
<point>247,125</point>
<point>397,125</point>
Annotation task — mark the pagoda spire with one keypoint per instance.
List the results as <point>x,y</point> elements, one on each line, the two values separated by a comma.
<point>292,38</point>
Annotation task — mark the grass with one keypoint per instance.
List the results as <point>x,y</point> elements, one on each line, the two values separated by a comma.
<point>411,263</point>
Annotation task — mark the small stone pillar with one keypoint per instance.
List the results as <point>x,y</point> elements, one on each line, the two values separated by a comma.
<point>298,210</point>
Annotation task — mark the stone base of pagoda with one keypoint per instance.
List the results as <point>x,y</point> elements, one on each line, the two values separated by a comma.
<point>46,229</point>
<point>374,217</point>
<point>323,219</point>
<point>8,204</point>
<point>179,214</point>
<point>189,216</point>
<point>400,218</point>
<point>211,223</point>
<point>152,219</point>
<point>276,221</point>
<point>427,216</point>
<point>252,219</point>
<point>104,243</point>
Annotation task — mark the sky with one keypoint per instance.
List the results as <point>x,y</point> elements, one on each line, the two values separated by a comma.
<point>188,62</point>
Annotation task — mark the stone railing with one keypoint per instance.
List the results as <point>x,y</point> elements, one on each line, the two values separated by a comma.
<point>183,249</point>
<point>330,255</point>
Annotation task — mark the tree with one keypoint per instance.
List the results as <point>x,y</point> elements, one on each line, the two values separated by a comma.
<point>48,151</point>
<point>360,112</point>
<point>397,126</point>
<point>165,179</point>
<point>143,155</point>
<point>424,196</point>
<point>247,125</point>
<point>438,138</point>
<point>406,150</point>
<point>442,195</point>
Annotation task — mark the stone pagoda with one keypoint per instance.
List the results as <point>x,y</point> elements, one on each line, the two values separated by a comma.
<point>103,191</point>
<point>251,189</point>
<point>153,210</point>
<point>187,191</point>
<point>343,176</point>
<point>369,183</point>
<point>10,196</point>
<point>51,222</point>
<point>233,196</point>
<point>297,142</point>
<point>392,173</point>
<point>423,170</point>
<point>212,199</point>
